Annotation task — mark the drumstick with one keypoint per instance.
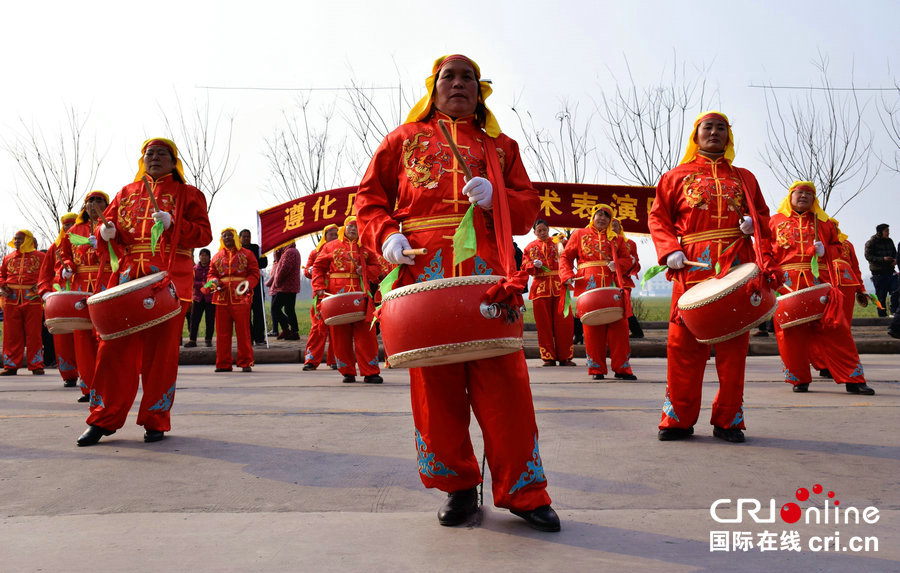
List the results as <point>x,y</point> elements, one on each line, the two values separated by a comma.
<point>414,252</point>
<point>734,205</point>
<point>455,150</point>
<point>152,198</point>
<point>698,264</point>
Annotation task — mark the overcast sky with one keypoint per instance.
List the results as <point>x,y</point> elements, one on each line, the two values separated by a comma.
<point>121,61</point>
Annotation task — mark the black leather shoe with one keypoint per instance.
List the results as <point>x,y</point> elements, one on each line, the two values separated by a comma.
<point>801,388</point>
<point>729,434</point>
<point>38,372</point>
<point>860,388</point>
<point>223,369</point>
<point>154,436</point>
<point>9,372</point>
<point>349,379</point>
<point>670,434</point>
<point>549,362</point>
<point>598,377</point>
<point>459,507</point>
<point>190,344</point>
<point>246,369</point>
<point>92,435</point>
<point>84,398</point>
<point>70,382</point>
<point>825,373</point>
<point>625,376</point>
<point>373,379</point>
<point>566,363</point>
<point>333,366</point>
<point>308,367</point>
<point>893,333</point>
<point>542,518</point>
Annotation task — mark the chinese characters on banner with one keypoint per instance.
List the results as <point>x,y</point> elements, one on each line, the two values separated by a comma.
<point>562,205</point>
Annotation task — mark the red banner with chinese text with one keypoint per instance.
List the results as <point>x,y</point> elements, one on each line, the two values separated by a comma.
<point>562,205</point>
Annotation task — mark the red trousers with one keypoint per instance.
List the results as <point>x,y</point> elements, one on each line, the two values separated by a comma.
<point>315,342</point>
<point>596,339</point>
<point>236,316</point>
<point>498,391</point>
<point>21,330</point>
<point>833,346</point>
<point>149,357</point>
<point>86,343</point>
<point>686,363</point>
<point>355,343</point>
<point>66,361</point>
<point>555,331</point>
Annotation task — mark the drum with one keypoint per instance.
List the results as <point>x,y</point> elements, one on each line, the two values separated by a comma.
<point>67,311</point>
<point>344,308</point>
<point>802,306</point>
<point>721,308</point>
<point>443,321</point>
<point>134,306</point>
<point>600,306</point>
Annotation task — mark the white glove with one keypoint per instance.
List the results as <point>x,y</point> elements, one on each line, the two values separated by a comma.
<point>392,250</point>
<point>747,225</point>
<point>675,260</point>
<point>108,233</point>
<point>164,217</point>
<point>66,273</point>
<point>611,266</point>
<point>93,241</point>
<point>480,192</point>
<point>538,264</point>
<point>820,248</point>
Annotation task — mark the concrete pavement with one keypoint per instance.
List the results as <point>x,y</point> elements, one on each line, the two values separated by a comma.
<point>279,470</point>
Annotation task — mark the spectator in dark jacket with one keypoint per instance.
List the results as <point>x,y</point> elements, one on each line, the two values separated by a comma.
<point>286,285</point>
<point>882,256</point>
<point>201,303</point>
<point>257,315</point>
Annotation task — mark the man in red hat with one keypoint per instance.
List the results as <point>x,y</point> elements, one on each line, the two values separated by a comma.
<point>22,310</point>
<point>148,356</point>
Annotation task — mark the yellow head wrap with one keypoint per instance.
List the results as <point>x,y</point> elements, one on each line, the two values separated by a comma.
<point>347,221</point>
<point>322,241</point>
<point>693,147</point>
<point>233,232</point>
<point>142,170</point>
<point>28,244</point>
<point>841,236</point>
<point>62,231</point>
<point>785,207</point>
<point>421,110</point>
<point>610,234</point>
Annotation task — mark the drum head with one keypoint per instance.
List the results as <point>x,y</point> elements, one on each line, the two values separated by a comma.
<point>130,286</point>
<point>713,288</point>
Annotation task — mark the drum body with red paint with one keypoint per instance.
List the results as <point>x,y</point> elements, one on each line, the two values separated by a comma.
<point>600,306</point>
<point>344,308</point>
<point>67,311</point>
<point>134,306</point>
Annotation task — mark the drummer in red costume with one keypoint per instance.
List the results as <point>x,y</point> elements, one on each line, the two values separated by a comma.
<point>627,281</point>
<point>318,330</point>
<point>92,273</point>
<point>800,230</point>
<point>540,259</point>
<point>228,269</point>
<point>414,192</point>
<point>22,310</point>
<point>149,356</point>
<point>603,261</point>
<point>694,218</point>
<point>343,266</point>
<point>55,271</point>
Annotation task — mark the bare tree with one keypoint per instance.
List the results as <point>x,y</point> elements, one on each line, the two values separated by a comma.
<point>645,125</point>
<point>203,146</point>
<point>890,119</point>
<point>562,155</point>
<point>820,137</point>
<point>57,173</point>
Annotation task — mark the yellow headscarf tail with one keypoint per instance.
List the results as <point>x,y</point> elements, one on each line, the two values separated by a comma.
<point>28,244</point>
<point>785,207</point>
<point>322,241</point>
<point>693,148</point>
<point>423,107</point>
<point>237,243</point>
<point>142,169</point>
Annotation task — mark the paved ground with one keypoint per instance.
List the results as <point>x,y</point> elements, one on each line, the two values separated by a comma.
<point>279,470</point>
